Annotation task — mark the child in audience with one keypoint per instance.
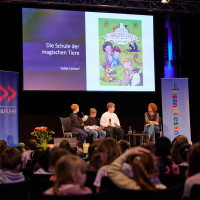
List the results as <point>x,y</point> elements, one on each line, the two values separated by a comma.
<point>43,163</point>
<point>108,150</point>
<point>54,154</point>
<point>143,169</point>
<point>176,143</point>
<point>124,145</point>
<point>31,145</point>
<point>10,163</point>
<point>77,125</point>
<point>193,172</point>
<point>70,177</point>
<point>93,125</point>
<point>165,164</point>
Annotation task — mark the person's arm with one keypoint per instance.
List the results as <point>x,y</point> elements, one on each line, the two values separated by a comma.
<point>115,173</point>
<point>104,121</point>
<point>75,120</point>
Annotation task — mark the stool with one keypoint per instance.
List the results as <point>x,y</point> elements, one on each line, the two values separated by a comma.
<point>132,138</point>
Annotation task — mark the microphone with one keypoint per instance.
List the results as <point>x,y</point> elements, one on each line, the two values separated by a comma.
<point>110,121</point>
<point>82,114</point>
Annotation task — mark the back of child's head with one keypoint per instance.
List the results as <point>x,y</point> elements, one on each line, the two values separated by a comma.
<point>193,160</point>
<point>32,144</point>
<point>110,148</point>
<point>95,162</point>
<point>66,168</point>
<point>162,146</point>
<point>55,153</point>
<point>143,166</point>
<point>64,144</point>
<point>43,160</point>
<point>124,145</point>
<point>183,151</point>
<point>10,158</point>
<point>3,145</point>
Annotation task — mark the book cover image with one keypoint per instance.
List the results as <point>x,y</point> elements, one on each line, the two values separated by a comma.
<point>120,52</point>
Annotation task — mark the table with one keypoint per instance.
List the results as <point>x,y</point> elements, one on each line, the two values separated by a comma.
<point>133,139</point>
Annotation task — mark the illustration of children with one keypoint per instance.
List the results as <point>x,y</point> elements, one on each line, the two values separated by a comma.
<point>108,49</point>
<point>126,63</point>
<point>115,59</point>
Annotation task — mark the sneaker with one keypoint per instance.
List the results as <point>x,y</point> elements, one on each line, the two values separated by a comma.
<point>79,150</point>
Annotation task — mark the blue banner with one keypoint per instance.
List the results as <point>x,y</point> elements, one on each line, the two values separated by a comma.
<point>9,107</point>
<point>175,108</point>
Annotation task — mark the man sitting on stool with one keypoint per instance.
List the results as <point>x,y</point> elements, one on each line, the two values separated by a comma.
<point>111,124</point>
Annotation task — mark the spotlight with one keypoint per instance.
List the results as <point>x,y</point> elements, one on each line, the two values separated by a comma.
<point>165,1</point>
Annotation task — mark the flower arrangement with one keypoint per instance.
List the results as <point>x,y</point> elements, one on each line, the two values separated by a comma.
<point>43,136</point>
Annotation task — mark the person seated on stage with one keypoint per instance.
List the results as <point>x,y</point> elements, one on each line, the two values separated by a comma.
<point>143,171</point>
<point>152,121</point>
<point>10,163</point>
<point>70,177</point>
<point>77,125</point>
<point>111,124</point>
<point>92,125</point>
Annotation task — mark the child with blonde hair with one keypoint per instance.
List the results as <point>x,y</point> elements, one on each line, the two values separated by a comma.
<point>70,177</point>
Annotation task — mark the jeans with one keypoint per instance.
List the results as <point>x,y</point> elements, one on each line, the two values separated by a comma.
<point>95,133</point>
<point>83,134</point>
<point>151,131</point>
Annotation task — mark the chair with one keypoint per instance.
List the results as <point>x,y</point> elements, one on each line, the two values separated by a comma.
<point>14,191</point>
<point>66,127</point>
<point>172,193</point>
<point>38,183</point>
<point>195,192</point>
<point>107,195</point>
<point>172,179</point>
<point>107,184</point>
<point>160,132</point>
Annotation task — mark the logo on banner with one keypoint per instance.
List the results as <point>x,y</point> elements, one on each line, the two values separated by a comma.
<point>5,93</point>
<point>176,115</point>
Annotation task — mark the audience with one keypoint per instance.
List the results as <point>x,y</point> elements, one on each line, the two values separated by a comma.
<point>176,143</point>
<point>70,177</point>
<point>143,169</point>
<point>124,145</point>
<point>165,164</point>
<point>3,145</point>
<point>43,163</point>
<point>10,163</point>
<point>31,145</point>
<point>193,172</point>
<point>108,150</point>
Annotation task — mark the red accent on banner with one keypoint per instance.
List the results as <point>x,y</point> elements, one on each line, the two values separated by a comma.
<point>14,93</point>
<point>5,93</point>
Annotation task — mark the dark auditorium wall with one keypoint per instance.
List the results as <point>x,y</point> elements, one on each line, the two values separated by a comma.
<point>44,108</point>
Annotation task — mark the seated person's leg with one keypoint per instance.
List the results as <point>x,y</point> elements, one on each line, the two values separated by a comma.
<point>82,136</point>
<point>120,133</point>
<point>102,134</point>
<point>109,132</point>
<point>94,134</point>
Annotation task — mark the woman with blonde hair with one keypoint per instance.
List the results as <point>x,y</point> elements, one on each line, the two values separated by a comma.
<point>70,177</point>
<point>152,121</point>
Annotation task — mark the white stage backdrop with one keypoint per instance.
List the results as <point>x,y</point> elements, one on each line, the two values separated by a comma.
<point>175,108</point>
